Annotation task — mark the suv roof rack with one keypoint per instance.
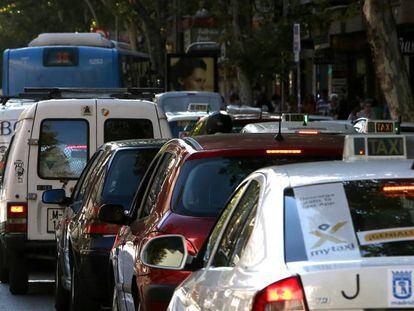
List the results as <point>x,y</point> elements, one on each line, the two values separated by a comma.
<point>40,93</point>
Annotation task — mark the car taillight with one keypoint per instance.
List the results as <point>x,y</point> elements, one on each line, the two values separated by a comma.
<point>94,226</point>
<point>286,294</point>
<point>16,217</point>
<point>307,132</point>
<point>97,227</point>
<point>283,151</point>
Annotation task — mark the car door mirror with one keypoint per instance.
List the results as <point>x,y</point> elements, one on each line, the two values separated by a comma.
<point>113,214</point>
<point>165,252</point>
<point>55,196</point>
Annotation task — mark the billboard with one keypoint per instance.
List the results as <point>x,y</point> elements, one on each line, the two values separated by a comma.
<point>192,72</point>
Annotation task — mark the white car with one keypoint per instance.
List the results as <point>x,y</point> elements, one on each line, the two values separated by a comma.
<point>311,127</point>
<point>336,235</point>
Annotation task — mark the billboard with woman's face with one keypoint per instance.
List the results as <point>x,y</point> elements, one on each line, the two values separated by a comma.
<point>188,72</point>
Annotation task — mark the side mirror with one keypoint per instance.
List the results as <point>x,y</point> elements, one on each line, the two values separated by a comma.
<point>113,214</point>
<point>165,252</point>
<point>55,196</point>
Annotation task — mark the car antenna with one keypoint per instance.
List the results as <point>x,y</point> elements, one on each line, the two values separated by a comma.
<point>279,136</point>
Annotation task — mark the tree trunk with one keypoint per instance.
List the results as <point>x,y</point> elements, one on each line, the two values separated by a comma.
<point>153,38</point>
<point>245,84</point>
<point>389,63</point>
<point>240,23</point>
<point>93,12</point>
<point>132,34</point>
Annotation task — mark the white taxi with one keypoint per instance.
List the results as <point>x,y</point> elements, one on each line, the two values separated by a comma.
<point>302,124</point>
<point>336,235</point>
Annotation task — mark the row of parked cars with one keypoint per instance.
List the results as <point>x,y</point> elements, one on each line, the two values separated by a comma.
<point>145,215</point>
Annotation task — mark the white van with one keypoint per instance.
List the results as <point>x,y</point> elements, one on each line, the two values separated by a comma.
<point>184,108</point>
<point>52,143</point>
<point>9,113</point>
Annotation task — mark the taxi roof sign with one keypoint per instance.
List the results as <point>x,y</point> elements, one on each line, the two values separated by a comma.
<point>364,147</point>
<point>295,117</point>
<point>383,126</point>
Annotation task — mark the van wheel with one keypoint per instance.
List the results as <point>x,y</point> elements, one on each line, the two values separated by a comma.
<point>4,272</point>
<point>62,296</point>
<point>78,298</point>
<point>18,274</point>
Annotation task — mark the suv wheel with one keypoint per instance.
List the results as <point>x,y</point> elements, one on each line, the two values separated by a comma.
<point>4,272</point>
<point>18,274</point>
<point>62,296</point>
<point>78,298</point>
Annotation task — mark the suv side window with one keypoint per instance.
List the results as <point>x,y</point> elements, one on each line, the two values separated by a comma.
<point>238,228</point>
<point>85,181</point>
<point>157,182</point>
<point>79,190</point>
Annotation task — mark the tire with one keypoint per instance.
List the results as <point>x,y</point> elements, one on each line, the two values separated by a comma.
<point>4,272</point>
<point>78,299</point>
<point>18,274</point>
<point>62,296</point>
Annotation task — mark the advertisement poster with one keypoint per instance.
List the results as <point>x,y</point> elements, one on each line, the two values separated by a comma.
<point>192,72</point>
<point>326,222</point>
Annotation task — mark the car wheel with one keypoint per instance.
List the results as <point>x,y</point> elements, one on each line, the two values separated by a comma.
<point>62,296</point>
<point>4,272</point>
<point>18,274</point>
<point>78,299</point>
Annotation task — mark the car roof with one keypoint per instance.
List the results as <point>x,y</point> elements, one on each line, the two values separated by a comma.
<point>262,141</point>
<point>301,174</point>
<point>184,115</point>
<point>134,143</point>
<point>288,126</point>
<point>186,93</point>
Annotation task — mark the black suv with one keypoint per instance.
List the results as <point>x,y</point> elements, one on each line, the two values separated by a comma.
<point>83,242</point>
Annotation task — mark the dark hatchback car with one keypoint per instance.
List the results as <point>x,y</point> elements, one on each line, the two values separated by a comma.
<point>83,242</point>
<point>183,192</point>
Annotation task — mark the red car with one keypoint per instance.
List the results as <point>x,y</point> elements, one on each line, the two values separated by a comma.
<point>184,191</point>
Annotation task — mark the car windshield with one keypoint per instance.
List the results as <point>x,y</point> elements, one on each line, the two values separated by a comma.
<point>205,184</point>
<point>349,220</point>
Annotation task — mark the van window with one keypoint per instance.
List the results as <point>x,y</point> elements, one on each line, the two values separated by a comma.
<point>121,129</point>
<point>3,162</point>
<point>63,148</point>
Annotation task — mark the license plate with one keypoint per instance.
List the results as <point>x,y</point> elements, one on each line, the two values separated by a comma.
<point>53,217</point>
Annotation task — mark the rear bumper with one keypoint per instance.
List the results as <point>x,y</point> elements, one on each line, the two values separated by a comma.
<point>18,242</point>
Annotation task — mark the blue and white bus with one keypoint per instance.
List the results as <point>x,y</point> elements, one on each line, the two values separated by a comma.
<point>86,60</point>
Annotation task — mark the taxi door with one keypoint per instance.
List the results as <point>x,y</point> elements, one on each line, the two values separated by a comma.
<point>63,139</point>
<point>120,119</point>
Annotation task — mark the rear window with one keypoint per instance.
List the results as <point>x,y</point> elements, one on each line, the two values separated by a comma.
<point>63,148</point>
<point>125,173</point>
<point>350,220</point>
<point>122,129</point>
<point>205,184</point>
<point>181,126</point>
